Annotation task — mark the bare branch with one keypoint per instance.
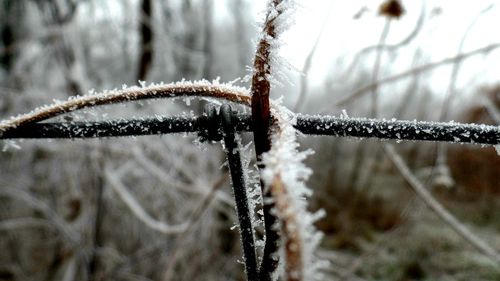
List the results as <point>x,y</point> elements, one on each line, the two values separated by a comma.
<point>195,215</point>
<point>307,65</point>
<point>386,47</point>
<point>439,209</point>
<point>376,68</point>
<point>158,172</point>
<point>22,222</point>
<point>492,110</point>
<point>364,90</point>
<point>261,117</point>
<point>137,209</point>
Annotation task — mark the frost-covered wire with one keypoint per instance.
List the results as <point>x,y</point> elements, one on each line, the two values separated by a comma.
<point>342,126</point>
<point>231,147</point>
<point>202,88</point>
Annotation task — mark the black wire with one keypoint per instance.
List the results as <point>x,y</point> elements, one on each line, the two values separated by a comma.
<point>307,124</point>
<point>398,129</point>
<point>240,194</point>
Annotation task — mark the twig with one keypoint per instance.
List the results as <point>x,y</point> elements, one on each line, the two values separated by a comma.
<point>437,208</point>
<point>386,47</point>
<point>261,118</point>
<point>307,64</point>
<point>376,68</point>
<point>452,92</point>
<point>137,209</point>
<point>492,110</point>
<point>71,270</point>
<point>456,68</point>
<point>364,90</point>
<point>159,246</point>
<point>23,222</point>
<point>156,171</point>
<point>72,237</point>
<point>195,215</point>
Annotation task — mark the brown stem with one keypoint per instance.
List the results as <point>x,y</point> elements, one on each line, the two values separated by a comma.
<point>293,243</point>
<point>260,90</point>
<point>175,90</point>
<point>146,44</point>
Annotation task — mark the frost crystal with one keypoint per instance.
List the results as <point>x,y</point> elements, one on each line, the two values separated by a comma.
<point>183,89</point>
<point>285,162</point>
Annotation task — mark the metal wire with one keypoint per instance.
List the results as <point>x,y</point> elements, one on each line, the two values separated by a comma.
<point>240,192</point>
<point>307,124</point>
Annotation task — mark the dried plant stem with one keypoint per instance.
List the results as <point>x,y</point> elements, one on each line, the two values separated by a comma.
<point>261,86</point>
<point>288,219</point>
<point>194,217</point>
<point>284,176</point>
<point>174,90</point>
<point>304,79</point>
<point>182,237</point>
<point>442,149</point>
<point>261,117</point>
<point>492,110</point>
<point>364,90</point>
<point>136,207</point>
<point>381,47</point>
<point>14,224</point>
<point>439,209</point>
<point>376,68</point>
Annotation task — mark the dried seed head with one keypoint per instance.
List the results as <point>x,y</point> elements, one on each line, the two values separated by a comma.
<point>391,9</point>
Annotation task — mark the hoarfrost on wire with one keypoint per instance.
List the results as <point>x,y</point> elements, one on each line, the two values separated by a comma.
<point>254,193</point>
<point>201,88</point>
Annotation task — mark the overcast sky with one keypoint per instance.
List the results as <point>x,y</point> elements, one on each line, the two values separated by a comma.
<point>440,36</point>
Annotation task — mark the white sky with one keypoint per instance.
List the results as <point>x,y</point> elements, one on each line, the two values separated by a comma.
<point>439,38</point>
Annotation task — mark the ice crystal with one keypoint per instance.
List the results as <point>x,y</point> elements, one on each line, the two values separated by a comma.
<point>182,89</point>
<point>285,162</point>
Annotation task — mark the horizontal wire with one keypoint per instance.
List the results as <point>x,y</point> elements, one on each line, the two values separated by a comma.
<point>307,124</point>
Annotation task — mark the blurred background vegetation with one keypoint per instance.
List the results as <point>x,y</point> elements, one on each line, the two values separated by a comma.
<point>116,209</point>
